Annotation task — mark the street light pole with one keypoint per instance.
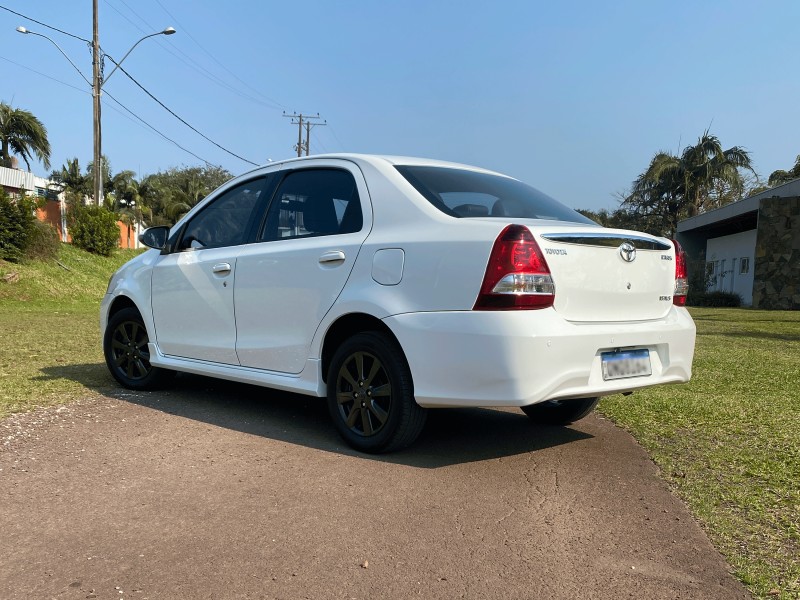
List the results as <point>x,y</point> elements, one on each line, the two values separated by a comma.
<point>97,87</point>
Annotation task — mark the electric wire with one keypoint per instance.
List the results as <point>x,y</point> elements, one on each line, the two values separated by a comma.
<point>171,48</point>
<point>336,137</point>
<point>72,35</point>
<point>44,75</point>
<point>214,58</point>
<point>138,120</point>
<point>128,110</point>
<point>192,63</point>
<point>174,114</point>
<point>139,85</point>
<point>318,142</point>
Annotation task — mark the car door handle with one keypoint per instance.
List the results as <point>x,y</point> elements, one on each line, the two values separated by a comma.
<point>221,268</point>
<point>332,256</point>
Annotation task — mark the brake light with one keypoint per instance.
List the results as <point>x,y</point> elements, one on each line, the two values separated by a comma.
<point>517,276</point>
<point>681,276</point>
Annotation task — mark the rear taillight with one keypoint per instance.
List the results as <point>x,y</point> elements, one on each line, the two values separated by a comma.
<point>517,276</point>
<point>681,277</point>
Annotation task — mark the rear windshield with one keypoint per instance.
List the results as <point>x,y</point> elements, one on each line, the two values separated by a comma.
<point>461,193</point>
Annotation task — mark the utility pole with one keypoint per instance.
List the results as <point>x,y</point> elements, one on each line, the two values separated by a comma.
<point>97,85</point>
<point>299,120</point>
<point>97,79</point>
<point>309,127</point>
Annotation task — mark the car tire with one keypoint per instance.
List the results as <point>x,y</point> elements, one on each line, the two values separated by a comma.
<point>560,412</point>
<point>371,394</point>
<point>126,352</point>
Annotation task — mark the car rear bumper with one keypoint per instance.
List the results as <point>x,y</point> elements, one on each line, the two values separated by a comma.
<point>516,358</point>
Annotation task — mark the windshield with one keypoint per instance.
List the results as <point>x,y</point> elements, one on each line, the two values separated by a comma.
<point>461,193</point>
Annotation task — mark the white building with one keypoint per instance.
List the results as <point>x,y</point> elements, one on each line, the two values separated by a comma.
<point>751,247</point>
<point>16,182</point>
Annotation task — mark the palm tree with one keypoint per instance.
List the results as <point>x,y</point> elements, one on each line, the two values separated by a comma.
<point>23,134</point>
<point>71,178</point>
<point>711,175</point>
<point>703,177</point>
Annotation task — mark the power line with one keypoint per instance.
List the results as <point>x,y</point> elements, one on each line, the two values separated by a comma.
<point>319,141</point>
<point>336,137</point>
<point>140,120</point>
<point>174,114</point>
<point>44,75</point>
<point>159,132</point>
<point>72,35</point>
<point>192,63</point>
<point>214,58</point>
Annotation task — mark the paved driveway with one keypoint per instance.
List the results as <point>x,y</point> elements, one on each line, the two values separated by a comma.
<point>218,490</point>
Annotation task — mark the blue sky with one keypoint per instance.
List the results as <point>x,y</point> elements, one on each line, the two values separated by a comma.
<point>571,97</point>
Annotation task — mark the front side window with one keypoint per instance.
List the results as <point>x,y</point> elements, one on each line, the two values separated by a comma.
<point>225,221</point>
<point>462,193</point>
<point>314,202</point>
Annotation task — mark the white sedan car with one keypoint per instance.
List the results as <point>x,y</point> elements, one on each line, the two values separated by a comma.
<point>390,285</point>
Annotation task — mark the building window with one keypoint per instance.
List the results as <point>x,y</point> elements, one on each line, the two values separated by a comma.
<point>744,265</point>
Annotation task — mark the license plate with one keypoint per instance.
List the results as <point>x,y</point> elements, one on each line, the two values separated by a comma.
<point>628,363</point>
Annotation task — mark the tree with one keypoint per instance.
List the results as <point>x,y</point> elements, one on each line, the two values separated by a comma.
<point>126,200</point>
<point>23,134</point>
<point>780,177</point>
<point>171,194</point>
<point>623,219</point>
<point>71,178</point>
<point>94,228</point>
<point>702,178</point>
<point>16,226</point>
<point>105,173</point>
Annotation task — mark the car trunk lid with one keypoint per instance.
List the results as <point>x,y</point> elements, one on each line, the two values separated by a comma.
<point>608,275</point>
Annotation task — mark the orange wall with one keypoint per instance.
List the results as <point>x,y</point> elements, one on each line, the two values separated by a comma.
<point>51,213</point>
<point>124,241</point>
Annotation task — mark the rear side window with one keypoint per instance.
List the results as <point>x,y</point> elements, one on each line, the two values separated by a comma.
<point>314,202</point>
<point>463,194</point>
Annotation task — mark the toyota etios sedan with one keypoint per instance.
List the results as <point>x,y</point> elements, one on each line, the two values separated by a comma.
<point>390,285</point>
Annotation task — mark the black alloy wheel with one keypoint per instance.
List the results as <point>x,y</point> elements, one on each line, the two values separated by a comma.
<point>370,394</point>
<point>126,352</point>
<point>364,393</point>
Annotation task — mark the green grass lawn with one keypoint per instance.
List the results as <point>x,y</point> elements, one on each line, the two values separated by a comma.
<point>50,329</point>
<point>728,442</point>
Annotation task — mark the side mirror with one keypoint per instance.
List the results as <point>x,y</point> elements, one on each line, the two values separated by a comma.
<point>155,237</point>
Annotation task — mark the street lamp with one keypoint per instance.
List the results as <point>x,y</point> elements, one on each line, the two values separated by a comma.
<point>21,29</point>
<point>97,86</point>
<point>167,31</point>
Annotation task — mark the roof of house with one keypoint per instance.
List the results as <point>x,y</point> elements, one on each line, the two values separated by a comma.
<point>738,209</point>
<point>22,180</point>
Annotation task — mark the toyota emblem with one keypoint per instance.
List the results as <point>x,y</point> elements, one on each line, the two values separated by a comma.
<point>627,251</point>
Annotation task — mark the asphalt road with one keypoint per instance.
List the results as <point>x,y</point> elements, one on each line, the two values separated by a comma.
<point>217,490</point>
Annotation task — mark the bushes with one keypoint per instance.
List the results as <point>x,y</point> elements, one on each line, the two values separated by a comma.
<point>22,235</point>
<point>43,242</point>
<point>94,228</point>
<point>714,299</point>
<point>17,225</point>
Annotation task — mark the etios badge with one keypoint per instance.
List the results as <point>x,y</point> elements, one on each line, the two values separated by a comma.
<point>627,251</point>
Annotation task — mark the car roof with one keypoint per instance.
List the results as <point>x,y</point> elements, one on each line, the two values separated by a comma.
<point>377,159</point>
